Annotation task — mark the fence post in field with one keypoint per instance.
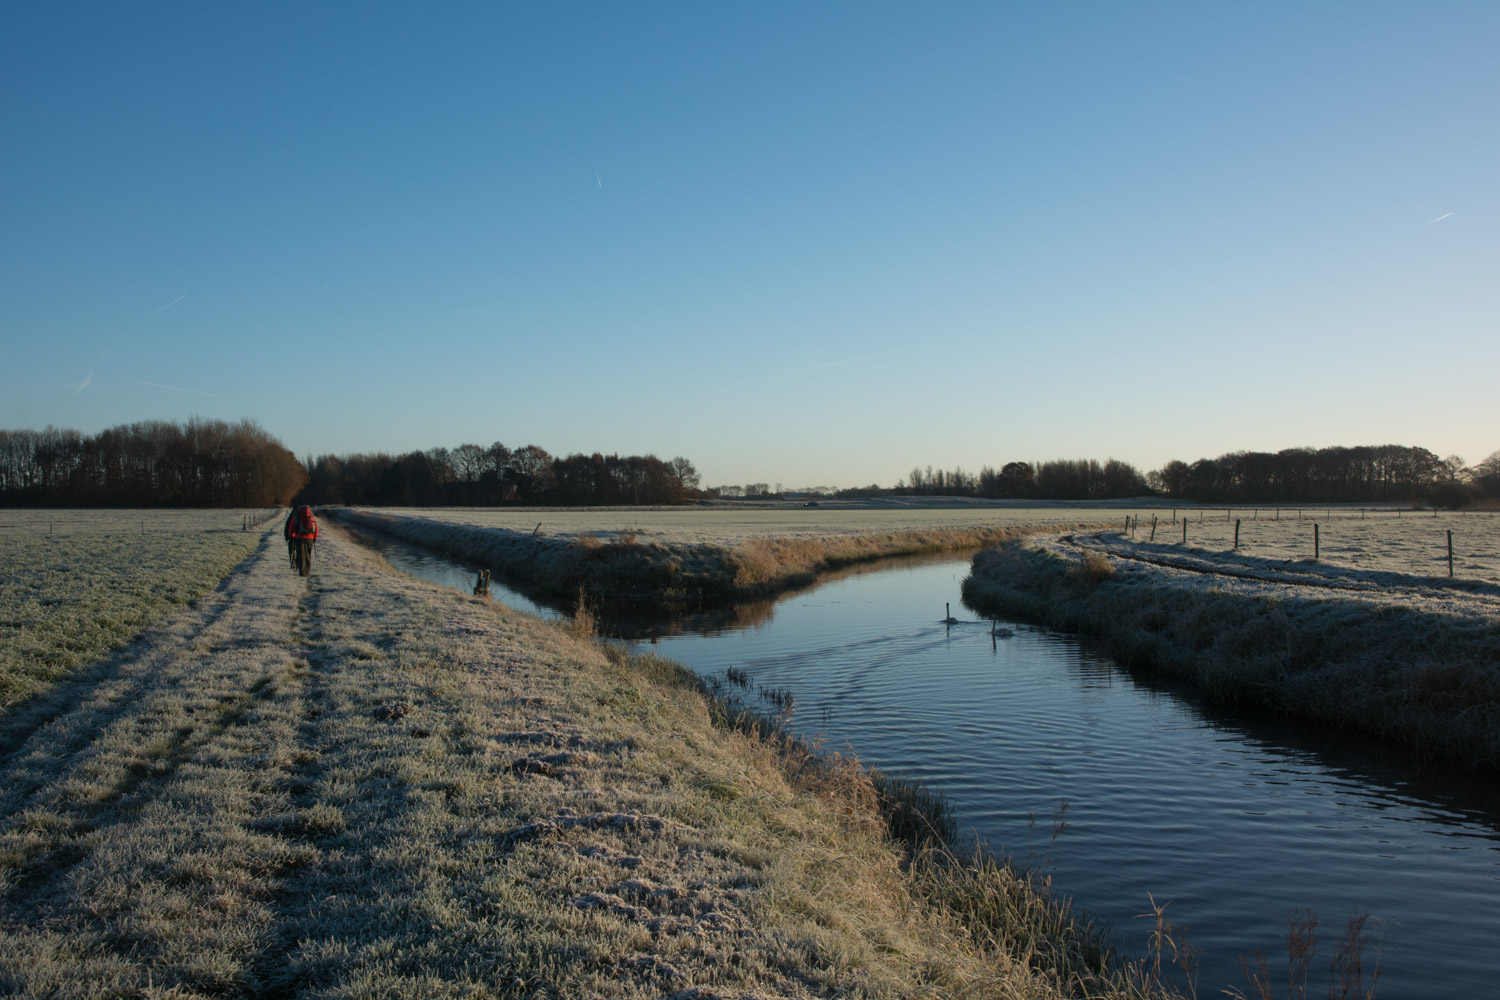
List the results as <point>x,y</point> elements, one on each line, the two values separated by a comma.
<point>1236,533</point>
<point>1127,524</point>
<point>1450,553</point>
<point>1184,531</point>
<point>1316,544</point>
<point>1153,528</point>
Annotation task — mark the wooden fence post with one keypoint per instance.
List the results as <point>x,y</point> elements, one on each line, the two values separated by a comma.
<point>1236,533</point>
<point>1153,528</point>
<point>1315,541</point>
<point>1184,531</point>
<point>1450,553</point>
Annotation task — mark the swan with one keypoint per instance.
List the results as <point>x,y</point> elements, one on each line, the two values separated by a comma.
<point>950,620</point>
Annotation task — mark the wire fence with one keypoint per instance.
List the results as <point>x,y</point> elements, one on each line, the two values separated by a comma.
<point>1398,540</point>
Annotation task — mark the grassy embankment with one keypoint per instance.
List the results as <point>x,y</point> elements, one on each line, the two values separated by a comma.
<point>1418,670</point>
<point>361,784</point>
<point>628,572</point>
<point>68,598</point>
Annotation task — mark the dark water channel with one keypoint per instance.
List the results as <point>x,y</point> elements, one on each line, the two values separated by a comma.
<point>1234,823</point>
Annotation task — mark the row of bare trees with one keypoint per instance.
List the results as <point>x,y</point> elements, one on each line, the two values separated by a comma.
<point>1060,479</point>
<point>472,475</point>
<point>1370,473</point>
<point>154,463</point>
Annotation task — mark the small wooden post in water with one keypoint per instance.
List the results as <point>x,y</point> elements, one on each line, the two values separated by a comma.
<point>1450,553</point>
<point>1236,533</point>
<point>1315,541</point>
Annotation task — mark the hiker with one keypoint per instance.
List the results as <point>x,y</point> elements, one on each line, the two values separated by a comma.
<point>301,530</point>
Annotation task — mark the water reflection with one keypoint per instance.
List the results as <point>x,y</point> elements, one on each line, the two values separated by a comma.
<point>1236,820</point>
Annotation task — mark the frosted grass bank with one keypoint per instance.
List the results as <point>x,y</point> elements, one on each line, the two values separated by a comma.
<point>1413,661</point>
<point>702,562</point>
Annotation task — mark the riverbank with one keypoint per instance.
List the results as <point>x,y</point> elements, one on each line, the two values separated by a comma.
<point>626,570</point>
<point>1411,661</point>
<point>361,783</point>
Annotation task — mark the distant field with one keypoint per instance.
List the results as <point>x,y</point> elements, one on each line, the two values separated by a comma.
<point>1411,542</point>
<point>730,524</point>
<point>74,521</point>
<point>69,596</point>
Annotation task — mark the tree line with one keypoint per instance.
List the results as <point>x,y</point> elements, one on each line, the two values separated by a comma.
<point>472,475</point>
<point>1362,474</point>
<point>1059,479</point>
<point>154,463</point>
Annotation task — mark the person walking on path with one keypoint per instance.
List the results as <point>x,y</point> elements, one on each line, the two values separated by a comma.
<point>301,530</point>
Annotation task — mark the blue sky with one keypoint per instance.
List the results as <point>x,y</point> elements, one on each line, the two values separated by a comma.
<point>815,244</point>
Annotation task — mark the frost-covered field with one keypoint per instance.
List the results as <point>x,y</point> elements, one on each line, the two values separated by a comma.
<point>732,523</point>
<point>67,598</point>
<point>1408,542</point>
<point>89,521</point>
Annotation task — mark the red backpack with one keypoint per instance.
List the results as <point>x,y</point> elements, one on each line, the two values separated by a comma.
<point>304,524</point>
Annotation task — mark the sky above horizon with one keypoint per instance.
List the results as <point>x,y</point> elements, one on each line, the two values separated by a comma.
<point>809,244</point>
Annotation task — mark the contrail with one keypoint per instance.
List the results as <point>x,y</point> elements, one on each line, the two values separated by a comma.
<point>168,306</point>
<point>174,388</point>
<point>1441,217</point>
<point>84,384</point>
<point>850,361</point>
<point>598,178</point>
